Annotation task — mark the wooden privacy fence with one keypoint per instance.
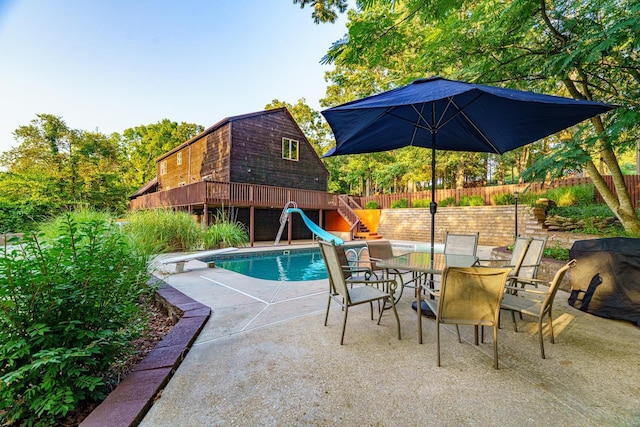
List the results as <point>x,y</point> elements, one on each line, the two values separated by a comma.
<point>488,193</point>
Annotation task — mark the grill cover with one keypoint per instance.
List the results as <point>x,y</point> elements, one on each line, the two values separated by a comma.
<point>606,280</point>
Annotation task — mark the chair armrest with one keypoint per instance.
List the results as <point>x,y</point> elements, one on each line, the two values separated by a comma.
<point>393,285</point>
<point>529,291</point>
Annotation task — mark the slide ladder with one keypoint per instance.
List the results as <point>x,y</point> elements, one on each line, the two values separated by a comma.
<point>284,217</point>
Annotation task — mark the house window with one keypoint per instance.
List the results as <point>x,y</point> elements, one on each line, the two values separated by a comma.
<point>163,168</point>
<point>179,159</point>
<point>289,149</point>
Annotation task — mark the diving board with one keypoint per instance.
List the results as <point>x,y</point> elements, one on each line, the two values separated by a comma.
<point>180,260</point>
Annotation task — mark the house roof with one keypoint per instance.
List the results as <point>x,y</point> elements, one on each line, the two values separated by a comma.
<point>145,188</point>
<point>220,124</point>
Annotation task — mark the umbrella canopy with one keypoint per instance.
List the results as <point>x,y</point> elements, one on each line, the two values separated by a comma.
<point>452,115</point>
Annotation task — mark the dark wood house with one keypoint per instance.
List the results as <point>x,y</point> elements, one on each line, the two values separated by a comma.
<point>254,163</point>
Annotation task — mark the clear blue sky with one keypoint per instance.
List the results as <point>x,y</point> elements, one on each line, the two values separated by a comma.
<point>108,65</point>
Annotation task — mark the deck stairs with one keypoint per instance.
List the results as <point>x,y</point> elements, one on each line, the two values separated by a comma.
<point>358,229</point>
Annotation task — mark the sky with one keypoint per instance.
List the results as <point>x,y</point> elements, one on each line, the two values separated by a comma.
<point>109,65</point>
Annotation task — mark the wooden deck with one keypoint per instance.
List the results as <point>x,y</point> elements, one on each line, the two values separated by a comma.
<point>211,194</point>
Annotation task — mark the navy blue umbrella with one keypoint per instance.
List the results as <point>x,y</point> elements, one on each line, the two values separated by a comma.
<point>445,114</point>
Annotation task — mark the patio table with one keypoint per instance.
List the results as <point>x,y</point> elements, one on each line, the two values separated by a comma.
<point>423,270</point>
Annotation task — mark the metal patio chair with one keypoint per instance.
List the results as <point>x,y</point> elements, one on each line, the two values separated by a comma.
<point>536,302</point>
<point>368,291</point>
<point>469,296</point>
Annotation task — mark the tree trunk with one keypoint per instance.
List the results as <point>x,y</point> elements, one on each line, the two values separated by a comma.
<point>619,202</point>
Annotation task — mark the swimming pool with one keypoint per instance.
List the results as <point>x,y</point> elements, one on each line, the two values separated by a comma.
<point>282,265</point>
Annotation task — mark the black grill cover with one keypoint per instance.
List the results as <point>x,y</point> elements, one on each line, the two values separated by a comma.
<point>606,280</point>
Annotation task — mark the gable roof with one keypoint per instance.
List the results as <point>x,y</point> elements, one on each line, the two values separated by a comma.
<point>228,120</point>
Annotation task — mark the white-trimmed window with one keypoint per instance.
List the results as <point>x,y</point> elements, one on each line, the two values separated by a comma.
<point>179,159</point>
<point>289,149</point>
<point>163,168</point>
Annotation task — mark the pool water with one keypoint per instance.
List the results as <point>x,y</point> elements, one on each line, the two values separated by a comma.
<point>290,267</point>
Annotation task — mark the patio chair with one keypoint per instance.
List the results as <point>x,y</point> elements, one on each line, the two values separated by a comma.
<point>528,273</point>
<point>535,302</point>
<point>469,296</point>
<point>368,292</point>
<point>378,250</point>
<point>461,244</point>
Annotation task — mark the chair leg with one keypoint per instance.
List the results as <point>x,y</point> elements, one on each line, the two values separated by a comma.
<point>438,340</point>
<point>344,323</point>
<point>395,313</point>
<point>551,328</point>
<point>458,332</point>
<point>495,346</point>
<point>513,317</point>
<point>540,337</point>
<point>326,316</point>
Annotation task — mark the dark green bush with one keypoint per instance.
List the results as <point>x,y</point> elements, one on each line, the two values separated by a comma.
<point>504,199</point>
<point>372,204</point>
<point>68,308</point>
<point>421,203</point>
<point>402,203</point>
<point>448,201</point>
<point>471,201</point>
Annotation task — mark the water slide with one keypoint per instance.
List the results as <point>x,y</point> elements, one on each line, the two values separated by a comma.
<point>315,229</point>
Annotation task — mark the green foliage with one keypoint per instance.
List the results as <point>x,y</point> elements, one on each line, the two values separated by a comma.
<point>21,217</point>
<point>68,308</point>
<point>504,199</point>
<point>160,230</point>
<point>51,229</point>
<point>372,204</point>
<point>447,201</point>
<point>471,201</point>
<point>556,251</point>
<point>402,203</point>
<point>580,195</point>
<point>421,203</point>
<point>224,233</point>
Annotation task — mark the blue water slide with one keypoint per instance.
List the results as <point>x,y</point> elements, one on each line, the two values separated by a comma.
<point>315,229</point>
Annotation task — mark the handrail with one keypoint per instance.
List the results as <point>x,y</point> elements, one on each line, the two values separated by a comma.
<point>347,213</point>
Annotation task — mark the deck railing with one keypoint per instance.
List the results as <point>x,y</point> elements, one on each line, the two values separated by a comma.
<point>236,194</point>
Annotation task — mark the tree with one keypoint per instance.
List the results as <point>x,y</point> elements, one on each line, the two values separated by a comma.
<point>143,144</point>
<point>579,48</point>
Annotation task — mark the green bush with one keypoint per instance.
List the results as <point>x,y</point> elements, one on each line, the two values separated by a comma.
<point>421,203</point>
<point>158,231</point>
<point>448,201</point>
<point>471,201</point>
<point>68,308</point>
<point>372,204</point>
<point>581,195</point>
<point>402,203</point>
<point>504,199</point>
<point>224,233</point>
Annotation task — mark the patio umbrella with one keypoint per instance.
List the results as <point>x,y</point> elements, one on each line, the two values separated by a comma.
<point>446,114</point>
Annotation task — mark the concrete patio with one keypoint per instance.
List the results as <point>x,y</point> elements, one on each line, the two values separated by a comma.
<point>265,358</point>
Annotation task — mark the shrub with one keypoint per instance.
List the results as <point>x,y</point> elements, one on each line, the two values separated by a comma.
<point>504,199</point>
<point>372,204</point>
<point>402,203</point>
<point>471,201</point>
<point>157,231</point>
<point>224,233</point>
<point>581,195</point>
<point>448,201</point>
<point>421,203</point>
<point>69,307</point>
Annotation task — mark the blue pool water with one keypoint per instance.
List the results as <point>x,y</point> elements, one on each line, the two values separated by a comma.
<point>291,267</point>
